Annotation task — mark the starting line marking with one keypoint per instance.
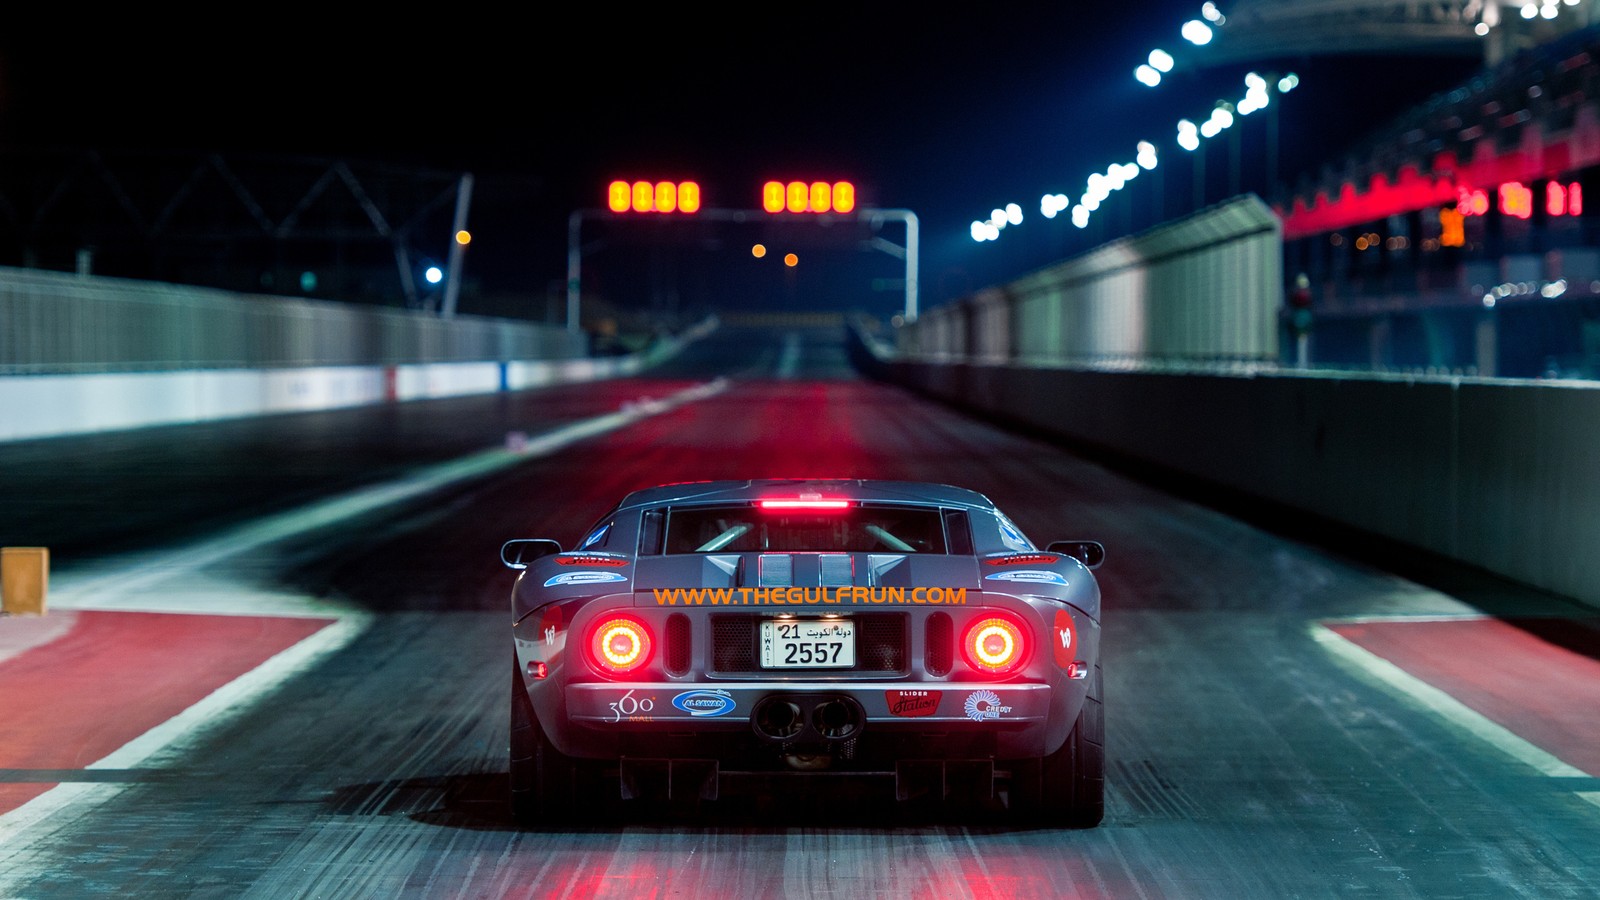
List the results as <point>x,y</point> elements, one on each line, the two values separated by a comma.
<point>1449,708</point>
<point>24,831</point>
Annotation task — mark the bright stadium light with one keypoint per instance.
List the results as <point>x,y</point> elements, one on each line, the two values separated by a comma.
<point>1080,216</point>
<point>1212,14</point>
<point>1161,61</point>
<point>1529,10</point>
<point>1147,76</point>
<point>1196,32</point>
<point>434,275</point>
<point>1147,155</point>
<point>1188,135</point>
<point>1013,214</point>
<point>1288,83</point>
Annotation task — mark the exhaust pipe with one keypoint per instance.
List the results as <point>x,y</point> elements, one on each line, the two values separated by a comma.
<point>798,718</point>
<point>777,719</point>
<point>837,720</point>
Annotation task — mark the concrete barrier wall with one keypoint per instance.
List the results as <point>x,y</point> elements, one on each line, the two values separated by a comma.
<point>55,322</point>
<point>1502,475</point>
<point>1204,288</point>
<point>39,406</point>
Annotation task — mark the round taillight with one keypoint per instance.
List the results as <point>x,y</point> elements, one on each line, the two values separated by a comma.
<point>619,645</point>
<point>995,645</point>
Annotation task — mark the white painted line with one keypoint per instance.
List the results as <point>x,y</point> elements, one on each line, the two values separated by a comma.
<point>25,831</point>
<point>1443,705</point>
<point>129,579</point>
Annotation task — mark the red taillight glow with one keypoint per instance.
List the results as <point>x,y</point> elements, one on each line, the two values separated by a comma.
<point>995,645</point>
<point>803,504</point>
<point>620,644</point>
<point>1023,559</point>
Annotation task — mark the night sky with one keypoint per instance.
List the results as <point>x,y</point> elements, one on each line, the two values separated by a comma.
<point>946,115</point>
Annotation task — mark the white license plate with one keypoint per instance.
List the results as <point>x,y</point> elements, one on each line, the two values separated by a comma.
<point>808,644</point>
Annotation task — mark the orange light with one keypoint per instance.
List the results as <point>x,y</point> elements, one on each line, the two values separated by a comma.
<point>799,196</point>
<point>758,251</point>
<point>821,196</point>
<point>463,237</point>
<point>1473,202</point>
<point>844,196</point>
<point>1516,200</point>
<point>689,197</point>
<point>772,196</point>
<point>790,260</point>
<point>621,644</point>
<point>1452,228</point>
<point>995,645</point>
<point>619,196</point>
<point>666,196</point>
<point>644,196</point>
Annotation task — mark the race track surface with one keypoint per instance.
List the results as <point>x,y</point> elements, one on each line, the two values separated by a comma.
<point>274,667</point>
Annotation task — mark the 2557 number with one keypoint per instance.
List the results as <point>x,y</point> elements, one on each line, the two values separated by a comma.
<point>813,653</point>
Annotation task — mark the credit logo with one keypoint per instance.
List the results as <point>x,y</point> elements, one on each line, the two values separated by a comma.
<point>981,706</point>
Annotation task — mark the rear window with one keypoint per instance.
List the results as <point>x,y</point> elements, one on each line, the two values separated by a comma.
<point>860,529</point>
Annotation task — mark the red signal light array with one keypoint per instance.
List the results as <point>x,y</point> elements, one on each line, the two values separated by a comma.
<point>808,196</point>
<point>653,196</point>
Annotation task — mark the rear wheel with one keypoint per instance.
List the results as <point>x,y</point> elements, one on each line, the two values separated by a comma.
<point>543,779</point>
<point>1067,787</point>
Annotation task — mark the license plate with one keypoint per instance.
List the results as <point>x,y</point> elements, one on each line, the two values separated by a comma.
<point>808,644</point>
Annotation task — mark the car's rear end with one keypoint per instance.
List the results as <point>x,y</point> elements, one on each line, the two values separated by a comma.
<point>821,634</point>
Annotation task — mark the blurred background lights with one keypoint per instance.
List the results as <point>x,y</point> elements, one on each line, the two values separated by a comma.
<point>1146,75</point>
<point>1161,61</point>
<point>434,275</point>
<point>1196,32</point>
<point>1013,214</point>
<point>1212,14</point>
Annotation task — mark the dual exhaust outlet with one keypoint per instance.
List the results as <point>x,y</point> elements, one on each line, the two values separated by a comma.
<point>807,718</point>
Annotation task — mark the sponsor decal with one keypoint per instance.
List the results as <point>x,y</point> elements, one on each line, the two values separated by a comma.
<point>982,706</point>
<point>1011,535</point>
<point>583,578</point>
<point>802,596</point>
<point>1034,575</point>
<point>550,624</point>
<point>1066,639</point>
<point>912,704</point>
<point>705,703</point>
<point>632,709</point>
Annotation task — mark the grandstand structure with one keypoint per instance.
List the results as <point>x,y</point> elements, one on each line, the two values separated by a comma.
<point>1463,236</point>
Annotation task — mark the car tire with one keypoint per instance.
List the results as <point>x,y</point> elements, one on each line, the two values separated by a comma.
<point>543,779</point>
<point>1067,787</point>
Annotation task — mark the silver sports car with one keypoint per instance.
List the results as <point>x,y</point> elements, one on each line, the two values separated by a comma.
<point>709,630</point>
